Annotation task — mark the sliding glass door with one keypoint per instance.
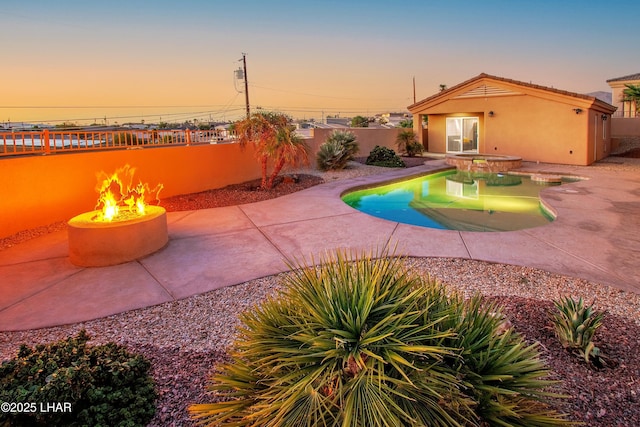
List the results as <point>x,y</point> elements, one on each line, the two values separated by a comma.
<point>462,134</point>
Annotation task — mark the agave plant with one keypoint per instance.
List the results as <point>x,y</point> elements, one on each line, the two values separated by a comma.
<point>332,156</point>
<point>575,325</point>
<point>360,340</point>
<point>339,148</point>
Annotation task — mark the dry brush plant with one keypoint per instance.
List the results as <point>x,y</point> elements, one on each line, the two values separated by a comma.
<point>359,340</point>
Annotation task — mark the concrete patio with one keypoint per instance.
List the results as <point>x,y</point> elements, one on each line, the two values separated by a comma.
<point>596,236</point>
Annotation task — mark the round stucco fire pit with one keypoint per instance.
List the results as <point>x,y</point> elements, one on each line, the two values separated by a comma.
<point>98,243</point>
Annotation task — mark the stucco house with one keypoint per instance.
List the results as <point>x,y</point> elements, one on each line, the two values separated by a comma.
<point>618,85</point>
<point>495,115</point>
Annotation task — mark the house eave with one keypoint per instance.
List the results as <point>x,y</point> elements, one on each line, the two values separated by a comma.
<point>583,101</point>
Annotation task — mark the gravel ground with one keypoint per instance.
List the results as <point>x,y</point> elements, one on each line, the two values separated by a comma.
<point>185,339</point>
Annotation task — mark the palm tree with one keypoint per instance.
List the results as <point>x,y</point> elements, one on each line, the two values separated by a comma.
<point>407,143</point>
<point>275,139</point>
<point>632,94</point>
<point>287,149</point>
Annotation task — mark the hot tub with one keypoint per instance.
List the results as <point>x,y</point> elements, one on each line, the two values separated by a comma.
<point>483,162</point>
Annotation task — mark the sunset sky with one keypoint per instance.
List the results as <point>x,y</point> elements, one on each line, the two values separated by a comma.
<point>132,60</point>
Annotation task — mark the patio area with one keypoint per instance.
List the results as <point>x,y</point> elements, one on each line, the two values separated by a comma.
<point>596,237</point>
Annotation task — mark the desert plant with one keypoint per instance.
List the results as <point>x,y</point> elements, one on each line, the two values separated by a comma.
<point>331,156</point>
<point>383,156</point>
<point>504,375</point>
<point>275,140</point>
<point>105,385</point>
<point>347,139</point>
<point>408,143</point>
<point>631,94</point>
<point>337,151</point>
<point>575,325</point>
<point>361,340</point>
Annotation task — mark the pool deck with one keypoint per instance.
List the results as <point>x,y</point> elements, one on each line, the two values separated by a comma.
<point>596,236</point>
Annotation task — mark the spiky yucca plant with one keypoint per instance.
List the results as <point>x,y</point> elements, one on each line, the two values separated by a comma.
<point>575,325</point>
<point>339,148</point>
<point>504,375</point>
<point>362,341</point>
<point>347,139</point>
<point>331,156</point>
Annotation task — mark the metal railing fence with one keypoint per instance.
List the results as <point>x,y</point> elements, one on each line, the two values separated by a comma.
<point>626,114</point>
<point>50,141</point>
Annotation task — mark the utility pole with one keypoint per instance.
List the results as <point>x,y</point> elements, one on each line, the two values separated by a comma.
<point>246,83</point>
<point>414,89</point>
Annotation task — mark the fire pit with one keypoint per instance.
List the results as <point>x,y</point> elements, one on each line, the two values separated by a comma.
<point>122,228</point>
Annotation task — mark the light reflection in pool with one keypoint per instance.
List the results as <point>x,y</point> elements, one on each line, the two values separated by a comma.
<point>457,200</point>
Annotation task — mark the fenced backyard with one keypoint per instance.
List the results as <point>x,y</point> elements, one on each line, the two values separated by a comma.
<point>50,176</point>
<point>49,141</point>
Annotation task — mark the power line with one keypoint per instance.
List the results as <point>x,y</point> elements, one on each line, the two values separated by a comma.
<point>322,96</point>
<point>107,106</point>
<point>230,113</point>
<point>174,116</point>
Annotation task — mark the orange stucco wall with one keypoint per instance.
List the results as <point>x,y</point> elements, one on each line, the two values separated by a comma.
<point>367,139</point>
<point>625,126</point>
<point>533,128</point>
<point>40,190</point>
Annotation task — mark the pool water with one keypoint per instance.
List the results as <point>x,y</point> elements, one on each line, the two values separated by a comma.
<point>457,200</point>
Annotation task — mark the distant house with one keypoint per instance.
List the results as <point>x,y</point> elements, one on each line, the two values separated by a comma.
<point>625,108</point>
<point>495,115</point>
<point>393,119</point>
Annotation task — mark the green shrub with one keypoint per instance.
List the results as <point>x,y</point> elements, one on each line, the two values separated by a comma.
<point>105,385</point>
<point>337,151</point>
<point>359,122</point>
<point>406,123</point>
<point>366,342</point>
<point>386,157</point>
<point>575,325</point>
<point>408,144</point>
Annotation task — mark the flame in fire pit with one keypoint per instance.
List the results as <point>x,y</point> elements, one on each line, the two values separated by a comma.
<point>119,199</point>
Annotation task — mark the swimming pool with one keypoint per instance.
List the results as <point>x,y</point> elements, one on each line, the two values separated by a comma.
<point>457,200</point>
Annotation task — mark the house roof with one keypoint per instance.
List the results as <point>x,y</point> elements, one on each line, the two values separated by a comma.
<point>635,76</point>
<point>483,76</point>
